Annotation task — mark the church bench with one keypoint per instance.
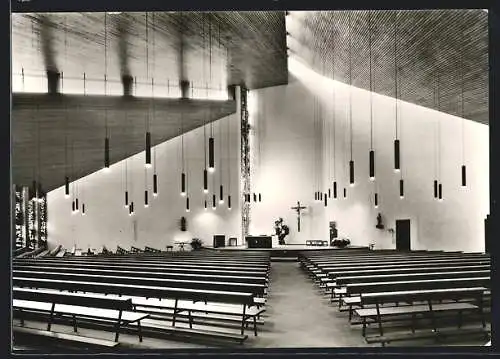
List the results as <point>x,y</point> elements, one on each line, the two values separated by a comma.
<point>113,271</point>
<point>255,289</point>
<point>428,296</point>
<point>374,255</point>
<point>241,298</point>
<point>99,343</point>
<point>192,270</point>
<point>151,250</point>
<point>165,265</point>
<point>162,266</point>
<point>117,310</point>
<point>168,307</point>
<point>408,264</point>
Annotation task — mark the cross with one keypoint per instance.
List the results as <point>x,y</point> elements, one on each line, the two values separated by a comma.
<point>298,208</point>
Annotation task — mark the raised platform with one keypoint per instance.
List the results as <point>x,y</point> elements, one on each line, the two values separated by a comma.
<point>287,252</point>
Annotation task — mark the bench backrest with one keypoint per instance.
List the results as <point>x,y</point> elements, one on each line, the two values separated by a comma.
<point>137,290</point>
<point>256,289</point>
<point>139,273</point>
<point>429,263</point>
<point>344,280</point>
<point>73,299</point>
<point>363,288</point>
<point>419,295</point>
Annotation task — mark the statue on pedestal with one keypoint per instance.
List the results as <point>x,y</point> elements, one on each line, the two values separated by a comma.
<point>281,230</point>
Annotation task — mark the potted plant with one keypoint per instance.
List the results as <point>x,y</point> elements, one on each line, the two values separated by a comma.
<point>196,244</point>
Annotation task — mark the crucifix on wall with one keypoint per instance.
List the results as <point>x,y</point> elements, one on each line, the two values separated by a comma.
<point>298,209</point>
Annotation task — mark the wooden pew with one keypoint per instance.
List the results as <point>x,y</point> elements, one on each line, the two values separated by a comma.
<point>119,310</point>
<point>159,266</point>
<point>111,270</point>
<point>151,250</point>
<point>256,289</point>
<point>246,300</point>
<point>428,296</point>
<point>135,250</point>
<point>173,269</point>
<point>208,264</point>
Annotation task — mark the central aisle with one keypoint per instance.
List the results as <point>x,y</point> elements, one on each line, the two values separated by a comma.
<point>299,315</point>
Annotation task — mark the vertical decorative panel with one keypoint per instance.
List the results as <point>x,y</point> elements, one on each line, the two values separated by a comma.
<point>245,162</point>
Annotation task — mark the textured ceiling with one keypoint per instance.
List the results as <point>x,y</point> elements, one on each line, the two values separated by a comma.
<point>235,47</point>
<point>43,126</point>
<point>429,43</point>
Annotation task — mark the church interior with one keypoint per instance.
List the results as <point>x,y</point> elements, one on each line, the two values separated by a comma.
<point>249,179</point>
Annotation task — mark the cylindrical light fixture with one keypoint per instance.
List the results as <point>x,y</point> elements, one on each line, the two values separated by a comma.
<point>229,202</point>
<point>221,194</point>
<point>146,201</point>
<point>205,205</point>
<point>321,196</point>
<point>345,192</point>
<point>335,189</point>
<point>183,184</point>
<point>329,193</point>
<point>213,202</point>
<point>255,197</point>
<point>397,166</point>
<point>77,209</point>
<point>66,187</point>
<point>435,189</point>
<point>83,209</point>
<point>132,208</point>
<point>211,155</point>
<point>376,200</point>
<point>351,173</point>
<point>440,192</point>
<point>372,165</point>
<point>155,185</point>
<point>401,189</point>
<point>205,181</point>
<point>260,198</point>
<point>106,154</point>
<point>187,204</point>
<point>73,206</point>
<point>326,199</point>
<point>148,149</point>
<point>126,199</point>
<point>464,176</point>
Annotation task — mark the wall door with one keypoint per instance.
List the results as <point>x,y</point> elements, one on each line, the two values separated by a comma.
<point>403,234</point>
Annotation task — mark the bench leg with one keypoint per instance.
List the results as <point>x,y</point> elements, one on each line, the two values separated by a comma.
<point>413,323</point>
<point>175,312</point>
<point>51,317</point>
<point>139,330</point>
<point>379,319</point>
<point>190,320</point>
<point>118,326</point>
<point>254,325</point>
<point>74,323</point>
<point>481,311</point>
<point>243,320</point>
<point>433,318</point>
<point>459,318</point>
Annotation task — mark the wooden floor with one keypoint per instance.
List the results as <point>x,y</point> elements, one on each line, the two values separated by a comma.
<point>297,315</point>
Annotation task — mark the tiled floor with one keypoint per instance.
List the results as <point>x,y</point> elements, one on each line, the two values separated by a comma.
<point>297,315</point>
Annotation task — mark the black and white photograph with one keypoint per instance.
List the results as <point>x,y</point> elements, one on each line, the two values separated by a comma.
<point>243,180</point>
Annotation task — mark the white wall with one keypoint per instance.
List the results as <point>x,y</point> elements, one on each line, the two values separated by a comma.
<point>107,221</point>
<point>284,169</point>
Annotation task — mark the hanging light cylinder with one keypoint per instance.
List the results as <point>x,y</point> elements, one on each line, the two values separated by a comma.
<point>335,189</point>
<point>397,167</point>
<point>255,197</point>
<point>146,200</point>
<point>211,155</point>
<point>440,192</point>
<point>221,194</point>
<point>345,192</point>
<point>464,176</point>
<point>213,202</point>
<point>106,154</point>
<point>205,181</point>
<point>83,209</point>
<point>372,165</point>
<point>260,198</point>
<point>73,206</point>
<point>66,187</point>
<point>401,189</point>
<point>148,149</point>
<point>435,189</point>
<point>351,173</point>
<point>376,200</point>
<point>77,209</point>
<point>132,208</point>
<point>326,199</point>
<point>155,185</point>
<point>229,202</point>
<point>126,199</point>
<point>187,204</point>
<point>183,184</point>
